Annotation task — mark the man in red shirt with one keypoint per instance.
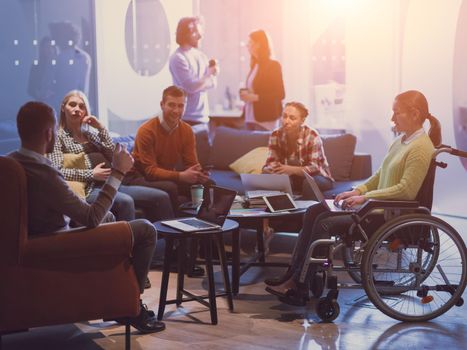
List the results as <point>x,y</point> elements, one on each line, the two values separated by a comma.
<point>162,143</point>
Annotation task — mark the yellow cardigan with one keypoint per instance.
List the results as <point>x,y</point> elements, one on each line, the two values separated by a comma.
<point>402,172</point>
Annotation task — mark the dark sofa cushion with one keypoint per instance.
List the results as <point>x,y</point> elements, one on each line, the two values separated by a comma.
<point>202,142</point>
<point>339,150</point>
<point>128,141</point>
<point>230,144</point>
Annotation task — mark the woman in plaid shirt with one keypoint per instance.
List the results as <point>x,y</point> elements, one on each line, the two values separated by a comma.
<point>295,148</point>
<point>74,136</point>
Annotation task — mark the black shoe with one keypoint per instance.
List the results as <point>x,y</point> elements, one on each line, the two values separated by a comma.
<point>147,283</point>
<point>294,300</point>
<point>291,296</point>
<point>122,320</point>
<point>145,323</point>
<point>197,271</point>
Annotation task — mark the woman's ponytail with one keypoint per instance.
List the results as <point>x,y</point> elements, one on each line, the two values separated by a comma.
<point>435,130</point>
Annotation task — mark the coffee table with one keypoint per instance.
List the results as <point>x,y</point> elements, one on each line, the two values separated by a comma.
<point>206,238</point>
<point>255,218</point>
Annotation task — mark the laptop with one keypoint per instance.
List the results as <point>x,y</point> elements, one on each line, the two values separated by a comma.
<point>327,203</point>
<point>266,182</point>
<point>212,213</point>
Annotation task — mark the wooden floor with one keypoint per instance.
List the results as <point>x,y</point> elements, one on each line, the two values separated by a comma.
<point>260,321</point>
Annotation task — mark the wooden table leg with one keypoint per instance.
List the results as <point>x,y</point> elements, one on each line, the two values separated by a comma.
<point>235,261</point>
<point>181,256</point>
<point>165,277</point>
<point>211,283</point>
<point>225,270</point>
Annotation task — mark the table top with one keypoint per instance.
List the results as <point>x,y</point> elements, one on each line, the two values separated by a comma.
<point>225,113</point>
<point>260,212</point>
<point>229,225</point>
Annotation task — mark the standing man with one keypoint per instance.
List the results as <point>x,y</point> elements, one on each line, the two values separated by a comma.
<point>51,202</point>
<point>192,71</point>
<point>162,143</point>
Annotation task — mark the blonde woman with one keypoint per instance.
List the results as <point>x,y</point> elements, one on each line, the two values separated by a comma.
<point>81,133</point>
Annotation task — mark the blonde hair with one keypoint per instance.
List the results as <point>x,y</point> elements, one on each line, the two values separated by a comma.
<point>72,93</point>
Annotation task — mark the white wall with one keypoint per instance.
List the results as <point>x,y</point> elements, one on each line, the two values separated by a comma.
<point>121,90</point>
<point>428,52</point>
<point>391,46</point>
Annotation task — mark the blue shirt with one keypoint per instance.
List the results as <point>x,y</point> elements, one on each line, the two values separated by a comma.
<point>188,67</point>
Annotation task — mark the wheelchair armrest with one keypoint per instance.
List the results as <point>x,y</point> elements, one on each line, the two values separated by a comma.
<point>373,204</point>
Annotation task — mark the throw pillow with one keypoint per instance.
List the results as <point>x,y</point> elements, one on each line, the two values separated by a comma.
<point>75,161</point>
<point>339,151</point>
<point>252,162</point>
<point>230,144</point>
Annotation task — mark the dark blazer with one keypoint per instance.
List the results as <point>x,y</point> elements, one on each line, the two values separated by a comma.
<point>268,85</point>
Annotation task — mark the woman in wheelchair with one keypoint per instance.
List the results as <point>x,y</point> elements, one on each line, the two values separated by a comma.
<point>399,177</point>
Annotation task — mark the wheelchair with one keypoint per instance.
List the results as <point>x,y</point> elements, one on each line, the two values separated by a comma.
<point>412,268</point>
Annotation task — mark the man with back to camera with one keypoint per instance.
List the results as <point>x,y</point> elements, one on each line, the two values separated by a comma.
<point>192,71</point>
<point>50,200</point>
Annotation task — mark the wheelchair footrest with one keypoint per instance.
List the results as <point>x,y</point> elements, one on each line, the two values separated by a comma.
<point>384,283</point>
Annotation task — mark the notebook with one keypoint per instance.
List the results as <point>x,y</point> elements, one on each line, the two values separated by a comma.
<point>266,182</point>
<point>328,203</point>
<point>211,214</point>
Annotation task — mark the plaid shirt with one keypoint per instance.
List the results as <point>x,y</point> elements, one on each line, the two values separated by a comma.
<point>98,142</point>
<point>308,153</point>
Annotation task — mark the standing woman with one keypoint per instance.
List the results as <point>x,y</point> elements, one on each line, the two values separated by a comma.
<point>264,90</point>
<point>74,136</point>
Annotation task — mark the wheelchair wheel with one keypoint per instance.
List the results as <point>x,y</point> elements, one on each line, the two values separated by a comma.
<point>414,268</point>
<point>327,310</point>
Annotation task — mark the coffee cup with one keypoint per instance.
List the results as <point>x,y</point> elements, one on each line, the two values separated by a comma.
<point>197,194</point>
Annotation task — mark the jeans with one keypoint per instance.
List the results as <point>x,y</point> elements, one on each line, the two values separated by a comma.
<point>165,191</point>
<point>319,223</point>
<point>144,241</point>
<point>123,206</point>
<point>155,202</point>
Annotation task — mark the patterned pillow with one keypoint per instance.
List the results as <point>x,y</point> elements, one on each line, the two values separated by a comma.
<point>75,161</point>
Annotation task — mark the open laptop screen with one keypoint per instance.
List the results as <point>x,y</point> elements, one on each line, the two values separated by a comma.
<point>270,182</point>
<point>216,205</point>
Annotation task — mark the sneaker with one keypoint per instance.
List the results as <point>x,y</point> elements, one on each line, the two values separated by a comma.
<point>147,283</point>
<point>145,323</point>
<point>197,271</point>
<point>122,320</point>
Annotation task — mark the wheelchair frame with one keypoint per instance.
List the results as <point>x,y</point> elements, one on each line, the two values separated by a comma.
<point>414,245</point>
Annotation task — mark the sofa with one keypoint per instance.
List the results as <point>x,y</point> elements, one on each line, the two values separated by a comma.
<point>347,167</point>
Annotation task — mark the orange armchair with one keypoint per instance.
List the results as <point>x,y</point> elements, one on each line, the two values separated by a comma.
<point>62,277</point>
